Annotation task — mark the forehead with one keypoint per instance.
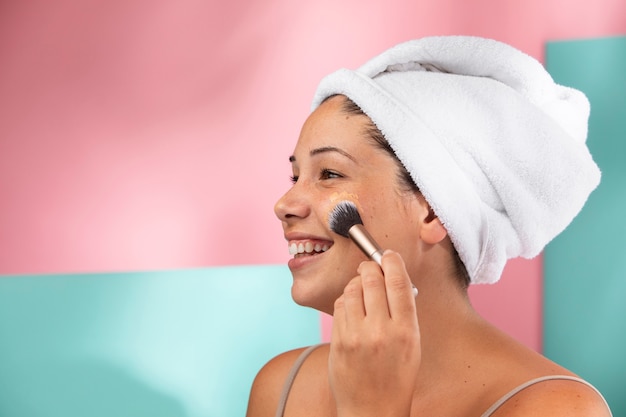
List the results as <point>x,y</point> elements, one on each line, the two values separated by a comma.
<point>331,126</point>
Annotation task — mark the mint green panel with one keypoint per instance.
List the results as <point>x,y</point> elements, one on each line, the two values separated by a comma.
<point>585,267</point>
<point>159,344</point>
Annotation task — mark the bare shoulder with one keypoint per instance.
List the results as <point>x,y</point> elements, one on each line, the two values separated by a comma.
<point>513,364</point>
<point>268,384</point>
<point>310,394</point>
<point>555,397</point>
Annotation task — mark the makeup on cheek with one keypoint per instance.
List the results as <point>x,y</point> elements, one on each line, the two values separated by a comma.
<point>345,220</point>
<point>337,198</point>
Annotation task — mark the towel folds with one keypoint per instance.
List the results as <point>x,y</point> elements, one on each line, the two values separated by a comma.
<point>495,145</point>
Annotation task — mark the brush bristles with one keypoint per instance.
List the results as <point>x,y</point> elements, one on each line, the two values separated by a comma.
<point>343,217</point>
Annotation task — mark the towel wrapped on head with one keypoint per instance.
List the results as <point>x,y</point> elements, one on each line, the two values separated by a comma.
<point>496,147</point>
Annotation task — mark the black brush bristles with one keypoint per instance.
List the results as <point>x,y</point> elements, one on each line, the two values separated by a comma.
<point>343,217</point>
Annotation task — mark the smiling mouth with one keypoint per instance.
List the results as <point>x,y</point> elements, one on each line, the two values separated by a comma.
<point>298,249</point>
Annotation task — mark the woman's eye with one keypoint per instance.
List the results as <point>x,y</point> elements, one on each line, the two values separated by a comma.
<point>293,179</point>
<point>327,174</point>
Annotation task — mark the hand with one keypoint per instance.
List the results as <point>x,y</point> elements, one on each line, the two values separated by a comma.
<point>375,344</point>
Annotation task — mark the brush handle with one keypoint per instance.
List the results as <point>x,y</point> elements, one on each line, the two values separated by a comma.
<point>368,245</point>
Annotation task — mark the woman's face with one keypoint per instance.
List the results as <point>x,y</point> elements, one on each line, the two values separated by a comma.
<point>334,160</point>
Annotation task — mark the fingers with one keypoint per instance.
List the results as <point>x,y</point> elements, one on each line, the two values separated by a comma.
<point>374,291</point>
<point>353,299</point>
<point>349,306</point>
<point>399,290</point>
<point>375,351</point>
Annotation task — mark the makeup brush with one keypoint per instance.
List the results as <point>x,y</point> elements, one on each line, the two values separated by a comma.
<point>345,220</point>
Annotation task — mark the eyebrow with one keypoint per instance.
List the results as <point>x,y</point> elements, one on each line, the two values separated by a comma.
<point>324,149</point>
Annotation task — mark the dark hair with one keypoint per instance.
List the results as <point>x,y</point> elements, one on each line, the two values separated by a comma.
<point>405,179</point>
<point>376,135</point>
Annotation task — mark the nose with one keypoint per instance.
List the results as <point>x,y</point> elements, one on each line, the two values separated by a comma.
<point>292,205</point>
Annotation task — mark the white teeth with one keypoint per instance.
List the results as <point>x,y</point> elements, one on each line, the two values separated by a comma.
<point>308,247</point>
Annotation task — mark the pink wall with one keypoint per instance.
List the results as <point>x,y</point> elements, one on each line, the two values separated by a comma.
<point>142,135</point>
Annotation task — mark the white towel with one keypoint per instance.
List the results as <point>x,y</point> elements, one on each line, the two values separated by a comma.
<point>495,145</point>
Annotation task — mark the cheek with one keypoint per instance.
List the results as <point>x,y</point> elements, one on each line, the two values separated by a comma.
<point>389,219</point>
<point>336,198</point>
<point>343,195</point>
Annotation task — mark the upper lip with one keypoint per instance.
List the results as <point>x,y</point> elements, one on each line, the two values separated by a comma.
<point>291,236</point>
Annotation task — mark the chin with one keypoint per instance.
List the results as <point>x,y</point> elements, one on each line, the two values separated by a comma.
<point>316,301</point>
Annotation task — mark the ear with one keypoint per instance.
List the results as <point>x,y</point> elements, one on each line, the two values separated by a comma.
<point>432,231</point>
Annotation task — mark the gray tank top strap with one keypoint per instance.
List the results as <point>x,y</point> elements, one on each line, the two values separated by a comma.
<point>291,377</point>
<point>527,384</point>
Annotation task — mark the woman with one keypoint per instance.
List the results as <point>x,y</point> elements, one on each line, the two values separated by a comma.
<point>459,153</point>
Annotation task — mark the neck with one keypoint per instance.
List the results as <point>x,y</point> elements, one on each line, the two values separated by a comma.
<point>446,318</point>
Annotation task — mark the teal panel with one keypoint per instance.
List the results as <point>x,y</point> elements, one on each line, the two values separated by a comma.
<point>158,344</point>
<point>585,267</point>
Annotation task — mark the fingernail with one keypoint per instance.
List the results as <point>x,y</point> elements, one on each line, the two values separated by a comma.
<point>414,290</point>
